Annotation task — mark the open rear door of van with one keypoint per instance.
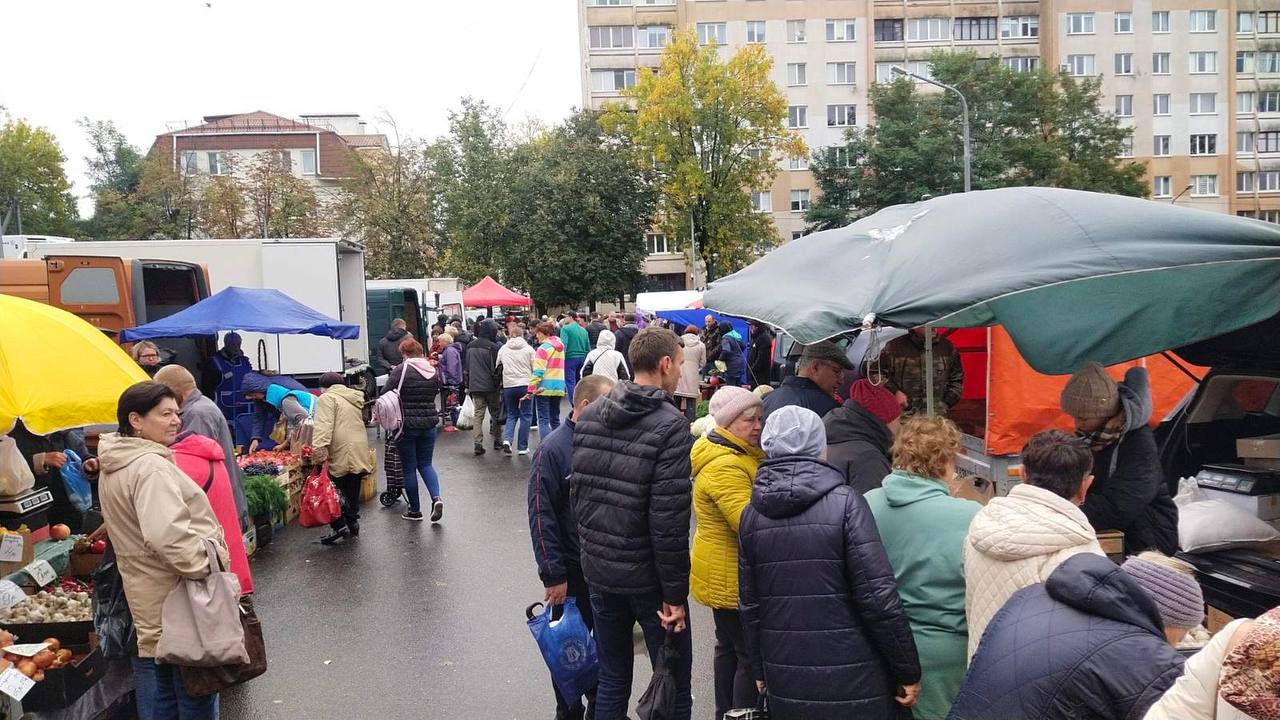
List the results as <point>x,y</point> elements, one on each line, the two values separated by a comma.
<point>99,289</point>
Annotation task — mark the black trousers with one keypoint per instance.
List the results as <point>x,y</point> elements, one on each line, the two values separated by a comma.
<point>734,680</point>
<point>349,488</point>
<point>581,594</point>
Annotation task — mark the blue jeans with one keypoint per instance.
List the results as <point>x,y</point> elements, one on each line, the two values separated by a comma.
<point>614,616</point>
<point>518,414</point>
<point>416,448</point>
<point>548,414</point>
<point>161,695</point>
<point>572,369</point>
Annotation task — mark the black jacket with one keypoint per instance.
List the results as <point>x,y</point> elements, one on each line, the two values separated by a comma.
<point>1087,644</point>
<point>804,392</point>
<point>389,350</point>
<point>623,339</point>
<point>760,356</point>
<point>551,524</point>
<point>417,398</point>
<point>480,368</point>
<point>859,444</point>
<point>819,605</point>
<point>631,493</point>
<point>1129,492</point>
<point>711,338</point>
<point>593,331</point>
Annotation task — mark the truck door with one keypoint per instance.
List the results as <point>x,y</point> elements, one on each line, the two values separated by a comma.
<point>94,288</point>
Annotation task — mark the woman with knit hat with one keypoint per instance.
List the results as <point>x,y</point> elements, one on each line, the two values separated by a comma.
<point>724,467</point>
<point>860,435</point>
<point>1129,493</point>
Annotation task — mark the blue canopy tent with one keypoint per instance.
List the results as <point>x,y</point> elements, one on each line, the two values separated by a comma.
<point>695,316</point>
<point>249,309</point>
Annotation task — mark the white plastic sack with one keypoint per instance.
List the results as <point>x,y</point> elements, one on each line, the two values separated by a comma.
<point>1205,525</point>
<point>466,415</point>
<point>15,474</point>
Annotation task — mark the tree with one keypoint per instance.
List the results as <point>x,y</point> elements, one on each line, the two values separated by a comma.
<point>715,131</point>
<point>166,201</point>
<point>221,208</point>
<point>474,171</point>
<point>281,204</point>
<point>33,177</point>
<point>1036,128</point>
<point>115,171</point>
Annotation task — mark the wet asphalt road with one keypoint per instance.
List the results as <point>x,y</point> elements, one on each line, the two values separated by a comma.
<point>414,620</point>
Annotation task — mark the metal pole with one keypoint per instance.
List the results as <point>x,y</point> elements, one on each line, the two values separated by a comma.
<point>964,111</point>
<point>928,369</point>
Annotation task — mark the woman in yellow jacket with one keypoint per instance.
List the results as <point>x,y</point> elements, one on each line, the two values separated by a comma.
<point>724,469</point>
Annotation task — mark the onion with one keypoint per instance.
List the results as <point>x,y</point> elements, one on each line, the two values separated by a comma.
<point>43,659</point>
<point>54,644</point>
<point>28,668</point>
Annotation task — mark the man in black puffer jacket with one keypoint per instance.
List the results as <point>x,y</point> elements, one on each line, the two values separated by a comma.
<point>484,384</point>
<point>388,355</point>
<point>631,495</point>
<point>860,435</point>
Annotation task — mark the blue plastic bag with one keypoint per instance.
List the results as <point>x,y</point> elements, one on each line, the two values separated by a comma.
<point>567,647</point>
<point>78,490</point>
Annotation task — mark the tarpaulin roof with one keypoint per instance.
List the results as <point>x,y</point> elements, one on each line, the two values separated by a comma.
<point>488,293</point>
<point>251,309</point>
<point>1073,276</point>
<point>652,302</point>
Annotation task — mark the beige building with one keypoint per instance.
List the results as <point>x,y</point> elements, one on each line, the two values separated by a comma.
<point>1197,80</point>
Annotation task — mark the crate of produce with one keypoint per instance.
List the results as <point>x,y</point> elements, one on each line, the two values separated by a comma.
<point>62,670</point>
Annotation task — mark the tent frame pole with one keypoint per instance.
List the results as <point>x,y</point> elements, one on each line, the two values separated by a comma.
<point>928,369</point>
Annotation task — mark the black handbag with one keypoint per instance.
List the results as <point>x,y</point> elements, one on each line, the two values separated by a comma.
<point>759,712</point>
<point>202,681</point>
<point>659,699</point>
<point>112,620</point>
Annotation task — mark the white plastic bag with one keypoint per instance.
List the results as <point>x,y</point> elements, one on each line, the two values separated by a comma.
<point>466,415</point>
<point>15,474</point>
<point>1205,524</point>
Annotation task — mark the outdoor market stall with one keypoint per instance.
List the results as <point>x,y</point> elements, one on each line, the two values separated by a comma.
<point>489,294</point>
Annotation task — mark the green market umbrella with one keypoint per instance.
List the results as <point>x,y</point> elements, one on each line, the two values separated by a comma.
<point>1073,276</point>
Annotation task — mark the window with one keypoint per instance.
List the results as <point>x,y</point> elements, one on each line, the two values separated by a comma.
<point>1268,141</point>
<point>217,164</point>
<point>761,201</point>
<point>712,32</point>
<point>1244,182</point>
<point>1124,63</point>
<point>754,153</point>
<point>1080,65</point>
<point>1244,23</point>
<point>929,28</point>
<point>1020,26</point>
<point>1246,102</point>
<point>90,286</point>
<point>285,160</point>
<point>1204,21</point>
<point>1204,103</point>
<point>654,36</point>
<point>841,73</point>
<point>1244,143</point>
<point>975,28</point>
<point>884,72</point>
<point>1126,147</point>
<point>797,234</point>
<point>1160,104</point>
<point>797,74</point>
<point>840,157</point>
<point>189,165</point>
<point>657,243</point>
<point>1269,101</point>
<point>1204,62</point>
<point>1160,147</point>
<point>1160,21</point>
<point>799,162</point>
<point>308,162</point>
<point>1124,105</point>
<point>841,30</point>
<point>1271,216</point>
<point>607,3</point>
<point>1244,61</point>
<point>799,200</point>
<point>1159,63</point>
<point>1022,64</point>
<point>795,31</point>
<point>1124,22</point>
<point>755,31</point>
<point>611,37</point>
<point>841,116</point>
<point>1268,22</point>
<point>1204,185</point>
<point>1162,186</point>
<point>889,30</point>
<point>613,80</point>
<point>1204,144</point>
<point>798,116</point>
<point>1269,181</point>
<point>1268,61</point>
<point>1080,23</point>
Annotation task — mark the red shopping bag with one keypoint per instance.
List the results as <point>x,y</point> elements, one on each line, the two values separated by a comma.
<point>319,503</point>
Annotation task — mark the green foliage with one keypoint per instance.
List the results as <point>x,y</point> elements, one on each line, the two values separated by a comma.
<point>264,496</point>
<point>32,173</point>
<point>474,172</point>
<point>281,204</point>
<point>1038,128</point>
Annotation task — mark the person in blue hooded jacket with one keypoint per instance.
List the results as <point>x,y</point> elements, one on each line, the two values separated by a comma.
<point>272,397</point>
<point>732,347</point>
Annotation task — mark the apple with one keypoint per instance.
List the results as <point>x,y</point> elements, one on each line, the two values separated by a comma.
<point>98,547</point>
<point>59,532</point>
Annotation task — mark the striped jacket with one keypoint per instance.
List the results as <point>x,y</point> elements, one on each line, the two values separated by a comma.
<point>548,369</point>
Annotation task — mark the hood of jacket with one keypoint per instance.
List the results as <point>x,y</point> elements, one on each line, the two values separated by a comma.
<point>607,340</point>
<point>851,422</point>
<point>1135,398</point>
<point>257,382</point>
<point>199,446</point>
<point>717,444</point>
<point>1028,523</point>
<point>690,340</point>
<point>395,334</point>
<point>275,394</point>
<point>464,338</point>
<point>517,343</point>
<point>556,343</point>
<point>1095,585</point>
<point>488,329</point>
<point>348,393</point>
<point>628,403</point>
<point>733,334</point>
<point>902,488</point>
<point>116,451</point>
<point>787,486</point>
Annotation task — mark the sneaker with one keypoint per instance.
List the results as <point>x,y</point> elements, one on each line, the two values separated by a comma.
<point>437,510</point>
<point>479,450</point>
<point>523,452</point>
<point>506,448</point>
<point>334,536</point>
<point>533,428</point>
<point>411,515</point>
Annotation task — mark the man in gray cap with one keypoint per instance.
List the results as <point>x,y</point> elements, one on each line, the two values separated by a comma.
<point>818,374</point>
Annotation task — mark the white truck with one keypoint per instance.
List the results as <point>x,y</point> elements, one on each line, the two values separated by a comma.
<point>326,274</point>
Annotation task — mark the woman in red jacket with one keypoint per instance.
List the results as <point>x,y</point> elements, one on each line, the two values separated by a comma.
<point>201,458</point>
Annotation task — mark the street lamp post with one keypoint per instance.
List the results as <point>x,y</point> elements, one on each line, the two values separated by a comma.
<point>964,111</point>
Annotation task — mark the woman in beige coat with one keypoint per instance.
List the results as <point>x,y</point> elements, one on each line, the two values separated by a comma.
<point>340,438</point>
<point>690,388</point>
<point>157,520</point>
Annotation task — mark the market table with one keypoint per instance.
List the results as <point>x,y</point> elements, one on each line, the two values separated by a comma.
<point>55,552</point>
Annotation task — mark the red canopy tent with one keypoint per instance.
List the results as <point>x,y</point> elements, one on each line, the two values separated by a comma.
<point>488,293</point>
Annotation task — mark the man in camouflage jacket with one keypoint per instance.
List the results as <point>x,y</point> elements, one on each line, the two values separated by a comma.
<point>900,370</point>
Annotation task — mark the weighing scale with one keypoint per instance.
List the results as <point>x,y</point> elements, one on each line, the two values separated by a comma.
<point>1241,479</point>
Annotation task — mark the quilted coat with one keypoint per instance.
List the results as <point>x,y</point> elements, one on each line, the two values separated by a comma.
<point>631,493</point>
<point>1194,696</point>
<point>1088,644</point>
<point>923,529</point>
<point>824,626</point>
<point>724,469</point>
<point>417,395</point>
<point>1016,541</point>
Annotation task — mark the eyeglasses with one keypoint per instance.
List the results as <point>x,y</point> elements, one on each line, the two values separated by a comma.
<point>149,356</point>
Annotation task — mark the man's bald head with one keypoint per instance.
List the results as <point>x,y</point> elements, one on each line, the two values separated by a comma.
<point>176,378</point>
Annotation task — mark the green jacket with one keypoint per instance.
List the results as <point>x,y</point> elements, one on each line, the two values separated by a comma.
<point>923,529</point>
<point>576,342</point>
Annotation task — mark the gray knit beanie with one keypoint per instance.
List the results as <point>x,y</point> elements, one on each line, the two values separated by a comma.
<point>1177,594</point>
<point>793,430</point>
<point>1091,394</point>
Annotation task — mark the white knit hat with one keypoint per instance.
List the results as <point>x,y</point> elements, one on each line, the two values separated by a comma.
<point>793,430</point>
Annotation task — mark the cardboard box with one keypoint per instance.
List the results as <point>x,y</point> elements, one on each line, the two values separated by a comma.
<point>1112,542</point>
<point>973,488</point>
<point>28,554</point>
<point>63,686</point>
<point>1262,446</point>
<point>1263,507</point>
<point>1215,619</point>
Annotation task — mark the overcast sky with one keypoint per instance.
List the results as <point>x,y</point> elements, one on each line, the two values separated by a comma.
<point>143,63</point>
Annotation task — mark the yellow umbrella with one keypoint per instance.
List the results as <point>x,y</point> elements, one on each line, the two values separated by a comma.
<point>57,371</point>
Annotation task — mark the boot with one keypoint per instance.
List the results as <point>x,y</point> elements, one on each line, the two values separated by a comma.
<point>479,449</point>
<point>335,536</point>
<point>353,527</point>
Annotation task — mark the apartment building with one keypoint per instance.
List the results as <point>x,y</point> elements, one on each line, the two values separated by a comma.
<point>1197,80</point>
